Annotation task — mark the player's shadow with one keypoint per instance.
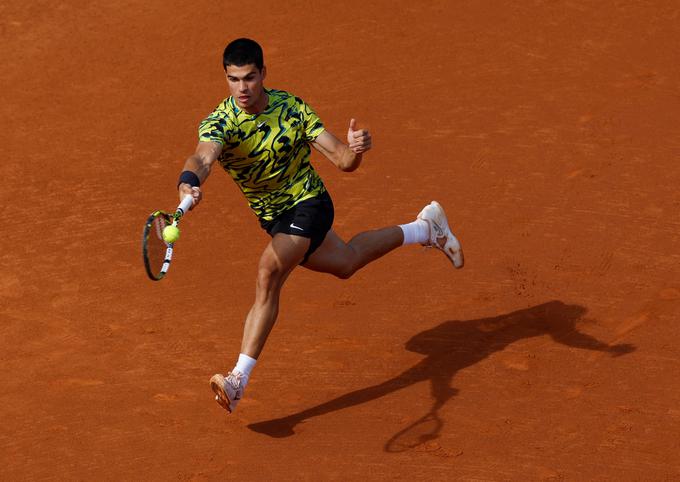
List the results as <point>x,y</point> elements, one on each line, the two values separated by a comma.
<point>449,347</point>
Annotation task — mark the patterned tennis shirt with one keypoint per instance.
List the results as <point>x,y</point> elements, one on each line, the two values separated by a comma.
<point>267,154</point>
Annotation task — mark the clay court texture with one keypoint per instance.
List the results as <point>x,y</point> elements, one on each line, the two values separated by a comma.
<point>547,129</point>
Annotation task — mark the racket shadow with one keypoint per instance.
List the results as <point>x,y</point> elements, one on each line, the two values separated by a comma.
<point>448,348</point>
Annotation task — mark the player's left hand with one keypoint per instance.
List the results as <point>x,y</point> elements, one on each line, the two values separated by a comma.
<point>359,140</point>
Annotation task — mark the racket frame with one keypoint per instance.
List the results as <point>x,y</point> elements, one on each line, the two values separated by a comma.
<point>150,225</point>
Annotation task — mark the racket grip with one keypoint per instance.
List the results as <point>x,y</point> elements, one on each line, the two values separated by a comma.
<point>185,204</point>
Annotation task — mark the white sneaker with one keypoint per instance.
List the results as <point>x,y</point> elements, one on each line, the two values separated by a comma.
<point>441,236</point>
<point>228,390</point>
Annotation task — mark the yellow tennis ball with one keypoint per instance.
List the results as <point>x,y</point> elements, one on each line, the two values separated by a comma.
<point>170,234</point>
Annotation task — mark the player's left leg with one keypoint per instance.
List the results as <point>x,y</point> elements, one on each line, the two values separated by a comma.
<point>342,259</point>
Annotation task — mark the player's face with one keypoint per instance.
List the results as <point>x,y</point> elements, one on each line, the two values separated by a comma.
<point>245,86</point>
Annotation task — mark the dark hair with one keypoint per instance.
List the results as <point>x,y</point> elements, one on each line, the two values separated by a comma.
<point>243,51</point>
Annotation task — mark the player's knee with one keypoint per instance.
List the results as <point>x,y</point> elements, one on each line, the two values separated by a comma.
<point>346,271</point>
<point>268,277</point>
<point>350,264</point>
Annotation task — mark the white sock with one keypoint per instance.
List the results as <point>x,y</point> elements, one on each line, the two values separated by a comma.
<point>245,365</point>
<point>416,232</point>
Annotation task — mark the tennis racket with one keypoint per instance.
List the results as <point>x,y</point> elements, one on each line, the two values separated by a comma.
<point>156,252</point>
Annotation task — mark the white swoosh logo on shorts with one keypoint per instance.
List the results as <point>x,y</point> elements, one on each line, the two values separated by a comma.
<point>292,225</point>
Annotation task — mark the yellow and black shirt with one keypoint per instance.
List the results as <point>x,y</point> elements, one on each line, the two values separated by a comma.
<point>267,154</point>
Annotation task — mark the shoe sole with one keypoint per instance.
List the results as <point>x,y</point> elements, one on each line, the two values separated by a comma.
<point>217,386</point>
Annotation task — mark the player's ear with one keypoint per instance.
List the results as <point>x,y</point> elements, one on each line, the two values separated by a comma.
<point>264,71</point>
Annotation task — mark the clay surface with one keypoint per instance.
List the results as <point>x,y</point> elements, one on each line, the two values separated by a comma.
<point>547,129</point>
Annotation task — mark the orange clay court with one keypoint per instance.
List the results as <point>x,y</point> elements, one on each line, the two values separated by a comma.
<point>548,130</point>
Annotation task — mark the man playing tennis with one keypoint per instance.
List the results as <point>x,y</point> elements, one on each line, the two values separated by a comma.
<point>262,138</point>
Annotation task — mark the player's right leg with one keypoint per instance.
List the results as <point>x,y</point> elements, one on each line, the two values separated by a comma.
<point>278,260</point>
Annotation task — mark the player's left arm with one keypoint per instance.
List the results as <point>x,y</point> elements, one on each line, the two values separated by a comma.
<point>347,157</point>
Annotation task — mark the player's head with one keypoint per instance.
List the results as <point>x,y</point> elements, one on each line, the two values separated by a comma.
<point>244,66</point>
<point>241,52</point>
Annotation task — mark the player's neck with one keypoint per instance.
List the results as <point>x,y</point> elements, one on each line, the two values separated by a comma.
<point>260,105</point>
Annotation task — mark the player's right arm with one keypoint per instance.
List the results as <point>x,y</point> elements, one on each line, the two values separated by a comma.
<point>199,163</point>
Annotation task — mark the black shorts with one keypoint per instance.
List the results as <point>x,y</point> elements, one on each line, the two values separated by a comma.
<point>311,218</point>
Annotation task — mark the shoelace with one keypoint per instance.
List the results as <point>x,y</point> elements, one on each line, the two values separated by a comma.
<point>438,234</point>
<point>234,380</point>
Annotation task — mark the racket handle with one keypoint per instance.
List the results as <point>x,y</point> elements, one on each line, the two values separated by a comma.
<point>186,203</point>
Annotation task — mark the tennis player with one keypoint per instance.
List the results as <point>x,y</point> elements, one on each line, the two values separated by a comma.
<point>262,138</point>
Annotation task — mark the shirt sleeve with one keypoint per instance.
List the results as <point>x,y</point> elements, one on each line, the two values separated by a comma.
<point>313,126</point>
<point>213,129</point>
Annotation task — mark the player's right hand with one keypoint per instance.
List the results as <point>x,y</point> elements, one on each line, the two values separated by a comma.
<point>195,192</point>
